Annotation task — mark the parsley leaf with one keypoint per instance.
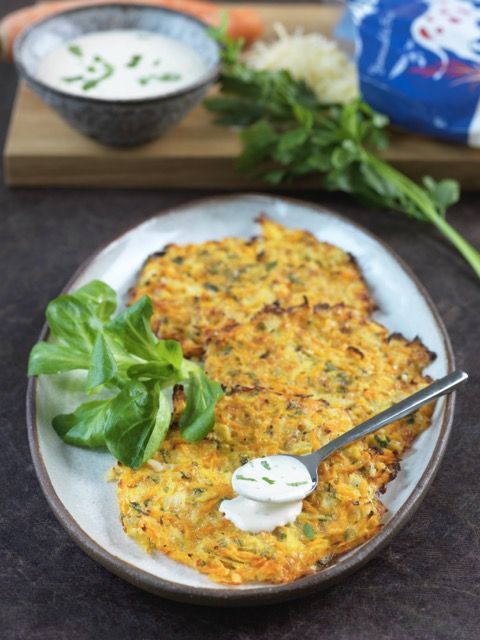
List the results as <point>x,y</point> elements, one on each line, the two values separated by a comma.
<point>288,133</point>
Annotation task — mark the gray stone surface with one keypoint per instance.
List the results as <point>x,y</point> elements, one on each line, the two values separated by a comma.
<point>424,586</point>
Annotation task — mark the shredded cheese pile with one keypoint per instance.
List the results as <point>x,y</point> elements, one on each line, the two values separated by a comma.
<point>311,57</point>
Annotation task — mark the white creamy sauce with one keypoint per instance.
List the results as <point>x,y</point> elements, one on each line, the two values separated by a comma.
<point>271,491</point>
<point>254,517</point>
<point>121,65</point>
<point>272,479</point>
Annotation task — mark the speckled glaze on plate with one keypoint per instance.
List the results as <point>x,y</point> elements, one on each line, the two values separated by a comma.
<point>73,480</point>
<point>117,122</point>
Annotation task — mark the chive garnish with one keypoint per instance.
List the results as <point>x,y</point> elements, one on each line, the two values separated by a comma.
<point>75,50</point>
<point>308,531</point>
<point>169,76</point>
<point>269,480</point>
<point>296,484</point>
<point>165,77</point>
<point>136,506</point>
<point>383,442</point>
<point>73,79</point>
<point>134,61</point>
<point>90,84</point>
<point>210,286</point>
<point>265,464</point>
<point>108,70</point>
<point>245,478</point>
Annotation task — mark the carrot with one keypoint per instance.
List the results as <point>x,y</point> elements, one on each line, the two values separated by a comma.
<point>242,21</point>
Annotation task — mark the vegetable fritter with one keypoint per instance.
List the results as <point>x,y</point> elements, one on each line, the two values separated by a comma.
<point>282,322</point>
<point>171,503</point>
<point>333,353</point>
<point>201,287</point>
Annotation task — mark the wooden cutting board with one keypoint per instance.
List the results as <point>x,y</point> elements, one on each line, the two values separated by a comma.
<point>41,150</point>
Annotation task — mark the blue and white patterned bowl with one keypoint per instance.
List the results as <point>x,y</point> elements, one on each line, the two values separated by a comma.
<point>117,122</point>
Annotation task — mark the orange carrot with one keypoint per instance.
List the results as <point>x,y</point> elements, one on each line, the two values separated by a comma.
<point>242,21</point>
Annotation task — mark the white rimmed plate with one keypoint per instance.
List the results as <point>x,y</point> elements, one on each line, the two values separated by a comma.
<point>73,480</point>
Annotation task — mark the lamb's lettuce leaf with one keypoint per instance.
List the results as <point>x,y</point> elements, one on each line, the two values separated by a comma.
<point>126,362</point>
<point>202,394</point>
<point>138,420</point>
<point>85,426</point>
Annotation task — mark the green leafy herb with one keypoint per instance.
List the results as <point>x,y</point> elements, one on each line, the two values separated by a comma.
<point>308,531</point>
<point>134,61</point>
<point>73,79</point>
<point>382,441</point>
<point>210,286</point>
<point>132,369</point>
<point>105,73</point>
<point>168,77</point>
<point>136,506</point>
<point>89,83</point>
<point>265,464</point>
<point>287,133</point>
<point>164,77</point>
<point>75,50</point>
<point>268,480</point>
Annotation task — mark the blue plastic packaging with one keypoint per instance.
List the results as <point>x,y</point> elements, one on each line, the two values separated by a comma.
<point>419,63</point>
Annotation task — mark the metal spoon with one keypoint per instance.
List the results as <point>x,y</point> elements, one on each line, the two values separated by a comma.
<point>404,408</point>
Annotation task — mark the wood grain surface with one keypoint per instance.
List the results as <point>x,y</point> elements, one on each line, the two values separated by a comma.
<point>41,150</point>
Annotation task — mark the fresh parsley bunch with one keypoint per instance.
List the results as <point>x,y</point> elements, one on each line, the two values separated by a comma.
<point>288,133</point>
<point>129,367</point>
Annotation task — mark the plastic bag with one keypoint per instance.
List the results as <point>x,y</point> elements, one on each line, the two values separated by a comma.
<point>419,63</point>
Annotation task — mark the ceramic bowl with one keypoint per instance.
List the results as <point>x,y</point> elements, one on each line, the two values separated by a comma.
<point>117,122</point>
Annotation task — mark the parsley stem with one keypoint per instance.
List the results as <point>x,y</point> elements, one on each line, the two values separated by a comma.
<point>422,201</point>
<point>471,255</point>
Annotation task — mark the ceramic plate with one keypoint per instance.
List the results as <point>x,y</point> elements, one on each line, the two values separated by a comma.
<point>73,479</point>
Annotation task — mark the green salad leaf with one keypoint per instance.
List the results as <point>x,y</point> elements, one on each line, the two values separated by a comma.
<point>85,426</point>
<point>198,416</point>
<point>54,358</point>
<point>137,422</point>
<point>103,367</point>
<point>132,369</point>
<point>131,330</point>
<point>74,321</point>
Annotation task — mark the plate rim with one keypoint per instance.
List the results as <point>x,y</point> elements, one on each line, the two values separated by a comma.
<point>346,563</point>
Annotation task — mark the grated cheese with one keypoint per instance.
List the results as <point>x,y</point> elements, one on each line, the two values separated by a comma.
<point>310,57</point>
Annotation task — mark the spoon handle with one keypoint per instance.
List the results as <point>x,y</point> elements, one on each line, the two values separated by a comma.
<point>400,410</point>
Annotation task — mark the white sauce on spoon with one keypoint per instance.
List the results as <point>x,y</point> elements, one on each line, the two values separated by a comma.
<point>121,64</point>
<point>271,493</point>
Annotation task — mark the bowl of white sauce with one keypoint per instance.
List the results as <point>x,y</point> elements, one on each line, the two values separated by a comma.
<point>121,74</point>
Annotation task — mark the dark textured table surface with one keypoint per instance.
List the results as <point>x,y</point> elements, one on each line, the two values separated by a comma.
<point>425,585</point>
